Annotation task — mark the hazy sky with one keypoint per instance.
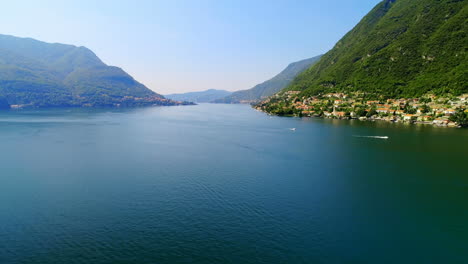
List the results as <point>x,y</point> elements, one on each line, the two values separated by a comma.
<point>178,46</point>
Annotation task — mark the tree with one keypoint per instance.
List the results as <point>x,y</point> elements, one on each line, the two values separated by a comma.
<point>426,108</point>
<point>409,109</point>
<point>371,112</point>
<point>425,100</point>
<point>361,112</point>
<point>460,117</point>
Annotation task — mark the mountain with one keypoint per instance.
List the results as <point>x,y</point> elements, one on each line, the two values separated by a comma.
<point>402,48</point>
<point>39,74</point>
<point>199,97</point>
<point>271,86</point>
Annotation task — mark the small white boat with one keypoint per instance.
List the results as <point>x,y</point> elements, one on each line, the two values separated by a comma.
<point>293,129</point>
<point>380,137</point>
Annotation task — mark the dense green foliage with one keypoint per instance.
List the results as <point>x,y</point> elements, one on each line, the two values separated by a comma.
<point>402,48</point>
<point>271,86</point>
<point>41,74</point>
<point>199,97</point>
<point>460,117</point>
<point>280,106</point>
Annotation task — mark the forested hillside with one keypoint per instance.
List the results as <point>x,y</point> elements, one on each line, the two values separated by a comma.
<point>271,86</point>
<point>402,48</point>
<point>39,74</point>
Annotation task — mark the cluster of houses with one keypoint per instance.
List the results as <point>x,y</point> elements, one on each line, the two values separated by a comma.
<point>429,109</point>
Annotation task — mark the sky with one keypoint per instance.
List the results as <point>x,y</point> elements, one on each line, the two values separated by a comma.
<point>175,46</point>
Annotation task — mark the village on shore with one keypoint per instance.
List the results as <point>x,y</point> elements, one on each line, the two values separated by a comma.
<point>447,111</point>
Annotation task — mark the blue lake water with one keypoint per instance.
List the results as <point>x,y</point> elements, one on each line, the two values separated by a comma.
<point>228,184</point>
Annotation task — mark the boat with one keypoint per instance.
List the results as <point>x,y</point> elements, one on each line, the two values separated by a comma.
<point>380,137</point>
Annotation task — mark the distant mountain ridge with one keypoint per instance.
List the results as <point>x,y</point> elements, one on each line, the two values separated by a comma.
<point>199,97</point>
<point>272,86</point>
<point>401,48</point>
<point>40,74</point>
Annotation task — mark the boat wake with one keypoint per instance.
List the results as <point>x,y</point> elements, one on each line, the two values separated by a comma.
<point>379,137</point>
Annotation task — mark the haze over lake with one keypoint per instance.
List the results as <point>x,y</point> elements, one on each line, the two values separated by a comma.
<point>227,184</point>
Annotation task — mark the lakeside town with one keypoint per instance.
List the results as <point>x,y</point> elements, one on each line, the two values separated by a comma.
<point>445,111</point>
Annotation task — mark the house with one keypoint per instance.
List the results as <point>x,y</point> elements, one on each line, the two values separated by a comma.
<point>339,114</point>
<point>425,118</point>
<point>441,121</point>
<point>337,95</point>
<point>372,102</point>
<point>408,117</point>
<point>382,110</point>
<point>449,111</point>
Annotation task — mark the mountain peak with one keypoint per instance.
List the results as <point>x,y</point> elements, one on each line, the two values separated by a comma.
<point>271,86</point>
<point>37,73</point>
<point>199,96</point>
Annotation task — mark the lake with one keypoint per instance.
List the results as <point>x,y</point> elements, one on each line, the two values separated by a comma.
<point>227,184</point>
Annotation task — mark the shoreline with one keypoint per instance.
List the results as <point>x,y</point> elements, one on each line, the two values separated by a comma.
<point>440,111</point>
<point>369,120</point>
<point>427,123</point>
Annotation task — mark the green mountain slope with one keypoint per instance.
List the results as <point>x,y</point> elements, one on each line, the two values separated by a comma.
<point>40,74</point>
<point>271,86</point>
<point>199,97</point>
<point>402,48</point>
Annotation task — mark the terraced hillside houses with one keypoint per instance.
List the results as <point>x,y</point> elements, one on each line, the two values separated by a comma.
<point>430,109</point>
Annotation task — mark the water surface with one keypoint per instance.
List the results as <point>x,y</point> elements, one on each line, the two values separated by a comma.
<point>227,184</point>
